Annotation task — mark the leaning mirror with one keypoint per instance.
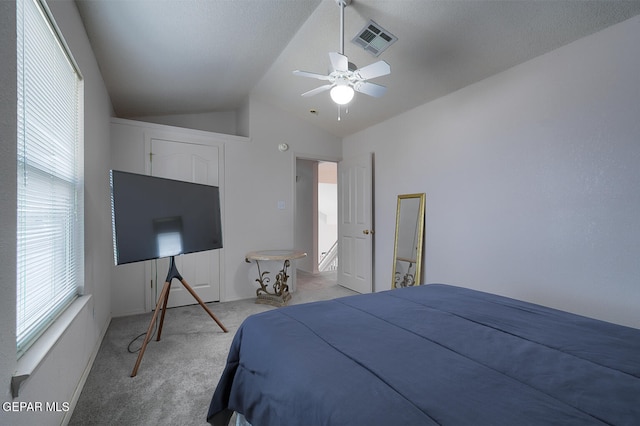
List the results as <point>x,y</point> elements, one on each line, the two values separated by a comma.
<point>407,252</point>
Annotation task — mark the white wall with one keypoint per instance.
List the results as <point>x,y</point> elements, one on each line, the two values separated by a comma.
<point>8,204</point>
<point>58,376</point>
<point>257,177</point>
<point>219,122</point>
<point>531,179</point>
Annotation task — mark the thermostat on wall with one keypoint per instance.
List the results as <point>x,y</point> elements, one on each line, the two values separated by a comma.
<point>283,147</point>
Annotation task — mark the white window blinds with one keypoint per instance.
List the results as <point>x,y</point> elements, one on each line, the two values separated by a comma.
<point>50,174</point>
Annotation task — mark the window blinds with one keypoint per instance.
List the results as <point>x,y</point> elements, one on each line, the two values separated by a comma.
<point>50,269</point>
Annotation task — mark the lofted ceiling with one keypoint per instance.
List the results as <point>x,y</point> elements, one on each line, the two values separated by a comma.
<point>162,57</point>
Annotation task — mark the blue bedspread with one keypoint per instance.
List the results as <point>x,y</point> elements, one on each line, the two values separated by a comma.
<point>429,355</point>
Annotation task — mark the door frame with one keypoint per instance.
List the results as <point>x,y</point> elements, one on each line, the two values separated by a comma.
<point>303,156</point>
<point>151,293</point>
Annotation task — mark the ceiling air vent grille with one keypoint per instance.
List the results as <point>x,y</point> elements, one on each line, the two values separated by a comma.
<point>374,39</point>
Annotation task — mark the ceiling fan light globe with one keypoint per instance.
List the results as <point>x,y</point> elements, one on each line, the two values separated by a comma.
<point>342,94</point>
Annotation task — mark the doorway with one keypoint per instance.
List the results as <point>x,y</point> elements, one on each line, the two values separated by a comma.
<point>327,216</point>
<point>316,227</point>
<point>203,164</point>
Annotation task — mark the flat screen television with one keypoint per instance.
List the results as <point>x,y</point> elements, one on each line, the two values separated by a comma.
<point>154,217</point>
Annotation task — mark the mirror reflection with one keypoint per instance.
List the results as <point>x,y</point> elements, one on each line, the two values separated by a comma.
<point>407,254</point>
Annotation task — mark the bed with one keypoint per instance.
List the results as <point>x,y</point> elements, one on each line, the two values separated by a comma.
<point>429,355</point>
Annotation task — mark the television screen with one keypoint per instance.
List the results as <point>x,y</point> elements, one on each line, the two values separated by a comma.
<point>155,217</point>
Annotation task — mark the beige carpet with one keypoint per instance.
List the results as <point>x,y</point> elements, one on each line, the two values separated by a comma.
<point>178,374</point>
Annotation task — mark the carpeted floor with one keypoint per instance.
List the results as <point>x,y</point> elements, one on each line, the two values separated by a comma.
<point>178,374</point>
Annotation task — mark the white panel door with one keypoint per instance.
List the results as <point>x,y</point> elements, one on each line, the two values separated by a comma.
<point>355,232</point>
<point>192,163</point>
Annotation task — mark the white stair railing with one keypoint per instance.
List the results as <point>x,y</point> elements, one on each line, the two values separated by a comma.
<point>329,259</point>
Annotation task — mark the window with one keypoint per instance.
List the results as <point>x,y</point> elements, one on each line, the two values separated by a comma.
<point>50,174</point>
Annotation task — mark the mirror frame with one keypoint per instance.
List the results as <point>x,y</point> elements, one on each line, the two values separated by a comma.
<point>408,279</point>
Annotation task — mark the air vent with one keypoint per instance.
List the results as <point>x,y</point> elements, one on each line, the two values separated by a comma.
<point>374,39</point>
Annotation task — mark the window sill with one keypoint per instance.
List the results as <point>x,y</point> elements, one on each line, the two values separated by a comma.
<point>29,362</point>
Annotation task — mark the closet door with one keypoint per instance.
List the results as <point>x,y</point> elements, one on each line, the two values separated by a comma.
<point>195,163</point>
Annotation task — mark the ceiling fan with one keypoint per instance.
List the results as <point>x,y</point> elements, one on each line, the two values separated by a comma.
<point>344,79</point>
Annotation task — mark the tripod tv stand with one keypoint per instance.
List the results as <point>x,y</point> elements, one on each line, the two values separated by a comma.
<point>162,305</point>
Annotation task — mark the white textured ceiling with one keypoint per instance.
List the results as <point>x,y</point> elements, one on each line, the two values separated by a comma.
<point>188,56</point>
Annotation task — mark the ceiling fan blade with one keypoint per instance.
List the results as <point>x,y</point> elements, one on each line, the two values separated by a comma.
<point>370,89</point>
<point>374,70</point>
<point>317,90</point>
<point>339,62</point>
<point>311,74</point>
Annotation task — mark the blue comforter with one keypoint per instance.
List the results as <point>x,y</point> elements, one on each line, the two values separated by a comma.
<point>433,354</point>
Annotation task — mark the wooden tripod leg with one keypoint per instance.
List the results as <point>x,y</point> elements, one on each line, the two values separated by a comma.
<point>161,301</point>
<point>201,302</point>
<point>164,309</point>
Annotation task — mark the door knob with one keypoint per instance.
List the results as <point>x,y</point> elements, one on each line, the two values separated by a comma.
<point>366,232</point>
